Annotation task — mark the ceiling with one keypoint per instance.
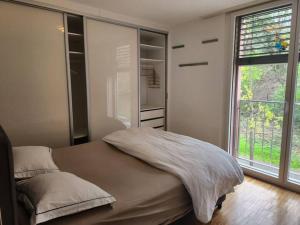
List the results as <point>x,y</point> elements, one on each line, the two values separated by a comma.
<point>167,12</point>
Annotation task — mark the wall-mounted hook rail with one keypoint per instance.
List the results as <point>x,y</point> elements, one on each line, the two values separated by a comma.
<point>210,41</point>
<point>193,64</point>
<point>177,46</point>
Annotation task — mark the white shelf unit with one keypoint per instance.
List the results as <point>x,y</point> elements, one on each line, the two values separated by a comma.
<point>75,34</point>
<point>152,79</point>
<point>150,107</point>
<point>76,53</point>
<point>147,47</point>
<point>148,60</point>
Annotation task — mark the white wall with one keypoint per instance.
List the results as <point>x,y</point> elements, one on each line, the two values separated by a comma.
<point>198,95</point>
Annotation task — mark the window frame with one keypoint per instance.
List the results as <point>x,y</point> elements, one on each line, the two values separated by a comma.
<point>291,58</point>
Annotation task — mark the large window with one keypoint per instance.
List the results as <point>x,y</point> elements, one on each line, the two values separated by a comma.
<point>263,41</point>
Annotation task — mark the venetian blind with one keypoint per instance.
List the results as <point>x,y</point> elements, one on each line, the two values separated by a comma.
<point>265,33</point>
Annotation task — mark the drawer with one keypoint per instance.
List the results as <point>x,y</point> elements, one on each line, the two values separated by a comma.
<point>153,123</point>
<point>152,114</point>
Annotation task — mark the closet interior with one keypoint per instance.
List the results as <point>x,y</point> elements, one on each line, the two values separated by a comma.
<point>77,79</point>
<point>152,79</point>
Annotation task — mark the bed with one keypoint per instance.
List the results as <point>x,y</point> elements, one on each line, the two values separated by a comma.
<point>145,195</point>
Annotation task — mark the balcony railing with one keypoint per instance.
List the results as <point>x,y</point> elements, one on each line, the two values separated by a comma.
<point>260,134</point>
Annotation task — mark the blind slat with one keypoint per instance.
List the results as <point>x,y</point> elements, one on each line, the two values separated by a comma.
<point>264,54</point>
<point>267,24</point>
<point>263,36</point>
<point>258,48</point>
<point>266,19</point>
<point>258,43</point>
<point>285,29</point>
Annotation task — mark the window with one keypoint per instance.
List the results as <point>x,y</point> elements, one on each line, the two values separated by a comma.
<point>261,59</point>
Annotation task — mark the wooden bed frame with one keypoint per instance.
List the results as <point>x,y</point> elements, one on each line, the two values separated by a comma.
<point>8,202</point>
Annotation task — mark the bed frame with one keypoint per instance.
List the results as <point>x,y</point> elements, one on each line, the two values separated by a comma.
<point>220,202</point>
<point>8,202</point>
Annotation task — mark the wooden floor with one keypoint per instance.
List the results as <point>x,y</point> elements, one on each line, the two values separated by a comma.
<point>255,203</point>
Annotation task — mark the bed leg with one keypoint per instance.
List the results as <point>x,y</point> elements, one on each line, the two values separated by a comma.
<point>220,202</point>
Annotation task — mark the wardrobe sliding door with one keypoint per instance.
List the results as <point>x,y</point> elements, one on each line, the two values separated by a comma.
<point>113,77</point>
<point>33,80</point>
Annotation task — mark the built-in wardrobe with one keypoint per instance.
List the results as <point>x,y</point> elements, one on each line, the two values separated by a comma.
<point>69,79</point>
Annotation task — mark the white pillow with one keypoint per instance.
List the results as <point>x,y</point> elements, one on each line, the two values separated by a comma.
<point>30,161</point>
<point>52,195</point>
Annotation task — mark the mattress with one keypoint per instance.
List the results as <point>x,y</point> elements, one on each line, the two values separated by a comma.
<point>145,195</point>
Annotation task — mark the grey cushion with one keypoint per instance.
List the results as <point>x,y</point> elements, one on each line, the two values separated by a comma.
<point>52,195</point>
<point>32,160</point>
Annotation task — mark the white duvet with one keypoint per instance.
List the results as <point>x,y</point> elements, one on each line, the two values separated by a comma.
<point>207,171</point>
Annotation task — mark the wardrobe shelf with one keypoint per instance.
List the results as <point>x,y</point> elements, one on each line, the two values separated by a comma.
<point>80,134</point>
<point>76,53</point>
<point>152,47</point>
<point>75,34</point>
<point>146,60</point>
<point>150,107</point>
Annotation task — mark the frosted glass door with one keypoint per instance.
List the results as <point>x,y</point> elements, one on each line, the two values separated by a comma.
<point>113,77</point>
<point>33,80</point>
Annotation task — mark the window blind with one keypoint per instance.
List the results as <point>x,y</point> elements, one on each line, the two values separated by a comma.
<point>264,34</point>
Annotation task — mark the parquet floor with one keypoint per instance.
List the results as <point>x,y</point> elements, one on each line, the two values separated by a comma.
<point>255,203</point>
